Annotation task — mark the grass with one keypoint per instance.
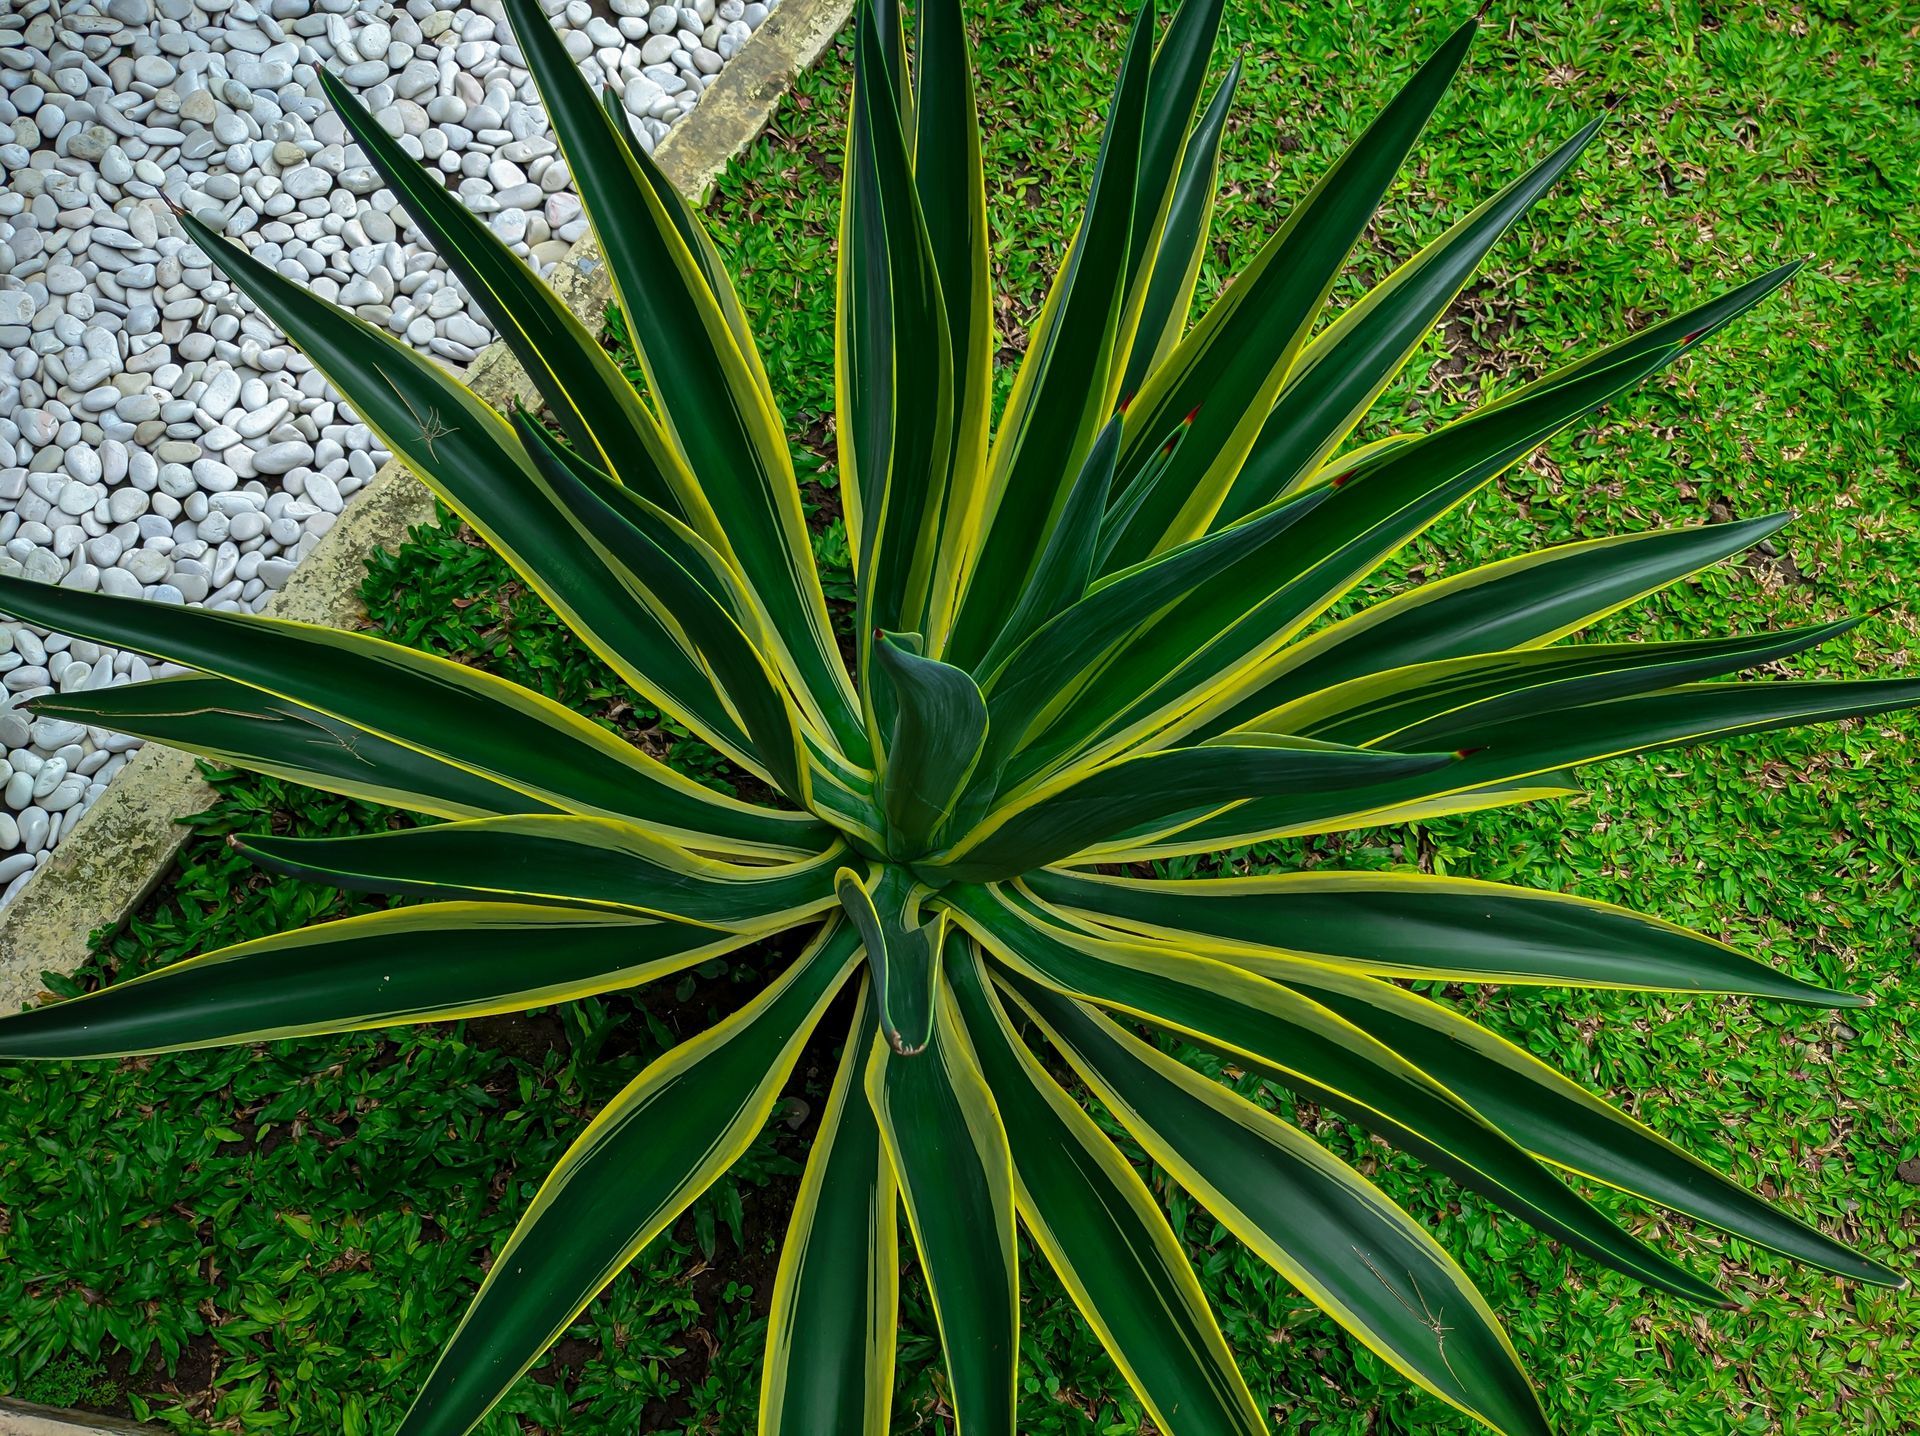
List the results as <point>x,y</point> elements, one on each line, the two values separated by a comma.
<point>277,1238</point>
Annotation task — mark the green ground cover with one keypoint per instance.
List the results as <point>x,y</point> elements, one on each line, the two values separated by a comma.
<point>279,1238</point>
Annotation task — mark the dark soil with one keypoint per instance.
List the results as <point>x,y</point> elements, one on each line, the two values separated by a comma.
<point>192,1377</point>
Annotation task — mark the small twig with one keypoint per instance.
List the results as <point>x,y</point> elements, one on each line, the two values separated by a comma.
<point>425,429</point>
<point>1426,1316</point>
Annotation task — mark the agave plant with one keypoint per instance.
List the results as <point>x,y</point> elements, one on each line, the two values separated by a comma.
<point>1103,637</point>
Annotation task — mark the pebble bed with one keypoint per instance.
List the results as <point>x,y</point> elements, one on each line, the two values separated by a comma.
<point>158,437</point>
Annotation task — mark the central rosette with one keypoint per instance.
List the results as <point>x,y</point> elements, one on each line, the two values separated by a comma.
<point>928,722</point>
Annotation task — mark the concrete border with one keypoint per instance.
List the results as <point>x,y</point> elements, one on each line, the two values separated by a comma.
<point>119,852</point>
<point>24,1418</point>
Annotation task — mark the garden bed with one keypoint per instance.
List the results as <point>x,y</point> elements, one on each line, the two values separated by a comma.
<point>278,1238</point>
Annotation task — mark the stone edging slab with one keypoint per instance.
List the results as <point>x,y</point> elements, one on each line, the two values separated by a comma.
<point>115,857</point>
<point>23,1418</point>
